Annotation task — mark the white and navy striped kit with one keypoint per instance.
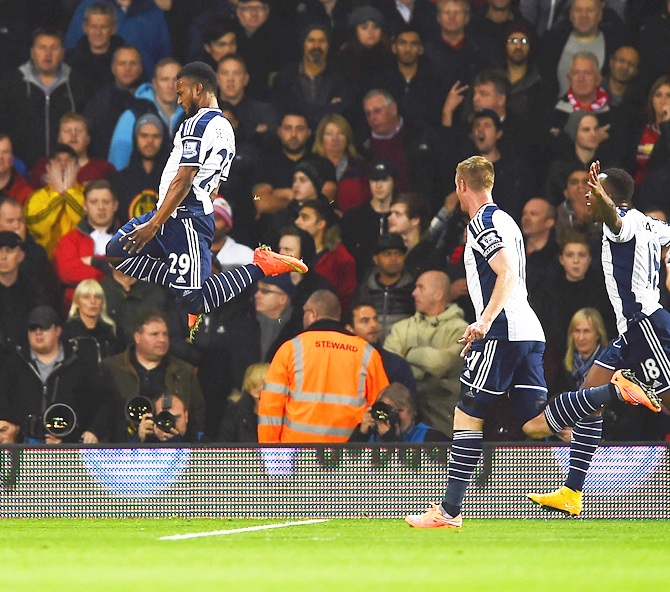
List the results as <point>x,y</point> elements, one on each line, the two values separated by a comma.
<point>510,357</point>
<point>206,141</point>
<point>490,230</point>
<point>631,262</point>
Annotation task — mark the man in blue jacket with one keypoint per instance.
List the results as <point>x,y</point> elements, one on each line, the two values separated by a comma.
<point>139,22</point>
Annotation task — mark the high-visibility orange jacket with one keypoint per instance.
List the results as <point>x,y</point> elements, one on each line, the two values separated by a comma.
<point>318,386</point>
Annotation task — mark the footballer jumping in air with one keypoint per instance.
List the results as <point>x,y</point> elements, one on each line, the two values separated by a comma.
<point>171,244</point>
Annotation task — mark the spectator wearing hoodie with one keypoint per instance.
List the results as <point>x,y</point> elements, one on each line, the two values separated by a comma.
<point>139,22</point>
<point>137,185</point>
<point>160,98</point>
<point>35,96</point>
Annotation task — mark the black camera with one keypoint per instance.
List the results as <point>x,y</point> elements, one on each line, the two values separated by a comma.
<point>165,421</point>
<point>384,412</point>
<point>140,406</point>
<point>137,408</point>
<point>59,420</point>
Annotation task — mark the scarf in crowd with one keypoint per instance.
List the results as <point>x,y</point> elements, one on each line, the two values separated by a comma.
<point>581,366</point>
<point>645,147</point>
<point>602,99</point>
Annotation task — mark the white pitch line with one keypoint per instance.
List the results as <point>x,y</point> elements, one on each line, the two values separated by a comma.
<point>197,535</point>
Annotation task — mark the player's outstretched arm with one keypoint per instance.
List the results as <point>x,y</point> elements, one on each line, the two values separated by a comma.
<point>177,191</point>
<point>601,204</point>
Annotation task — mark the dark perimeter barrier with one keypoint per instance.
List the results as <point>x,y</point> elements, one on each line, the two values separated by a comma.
<point>625,481</point>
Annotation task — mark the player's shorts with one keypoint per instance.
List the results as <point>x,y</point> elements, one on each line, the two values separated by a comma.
<point>185,244</point>
<point>643,348</point>
<point>493,367</point>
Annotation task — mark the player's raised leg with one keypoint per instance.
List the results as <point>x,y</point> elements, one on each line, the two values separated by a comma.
<point>581,409</point>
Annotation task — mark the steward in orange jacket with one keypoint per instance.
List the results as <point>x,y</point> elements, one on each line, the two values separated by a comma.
<point>318,386</point>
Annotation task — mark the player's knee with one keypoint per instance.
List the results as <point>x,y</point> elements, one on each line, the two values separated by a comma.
<point>537,428</point>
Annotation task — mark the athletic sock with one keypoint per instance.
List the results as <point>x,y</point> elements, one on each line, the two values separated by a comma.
<point>146,268</point>
<point>568,408</point>
<point>222,287</point>
<point>463,458</point>
<point>585,440</point>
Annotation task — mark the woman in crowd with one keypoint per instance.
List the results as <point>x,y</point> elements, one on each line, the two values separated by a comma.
<point>652,142</point>
<point>298,243</point>
<point>586,338</point>
<point>88,322</point>
<point>368,49</point>
<point>334,140</point>
<point>240,420</point>
<point>332,260</point>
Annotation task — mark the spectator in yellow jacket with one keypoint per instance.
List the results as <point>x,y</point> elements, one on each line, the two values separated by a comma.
<point>56,208</point>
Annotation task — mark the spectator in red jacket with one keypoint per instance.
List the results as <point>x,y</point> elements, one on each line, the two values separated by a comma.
<point>80,254</point>
<point>12,184</point>
<point>332,260</point>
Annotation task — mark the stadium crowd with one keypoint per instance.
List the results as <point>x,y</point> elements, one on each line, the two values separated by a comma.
<point>350,118</point>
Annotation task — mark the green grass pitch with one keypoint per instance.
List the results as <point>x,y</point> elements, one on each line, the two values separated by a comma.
<point>100,555</point>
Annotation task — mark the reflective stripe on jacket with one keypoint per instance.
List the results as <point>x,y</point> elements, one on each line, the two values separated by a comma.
<point>318,387</point>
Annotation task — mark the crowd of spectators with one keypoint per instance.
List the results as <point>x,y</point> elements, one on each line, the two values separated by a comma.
<point>350,117</point>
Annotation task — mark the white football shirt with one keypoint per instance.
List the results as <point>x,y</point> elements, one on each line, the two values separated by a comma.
<point>489,231</point>
<point>207,141</point>
<point>631,263</point>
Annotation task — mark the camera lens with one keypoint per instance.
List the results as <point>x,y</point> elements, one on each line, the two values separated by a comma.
<point>165,421</point>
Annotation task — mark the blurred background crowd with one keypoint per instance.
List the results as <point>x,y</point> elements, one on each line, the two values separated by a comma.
<point>350,117</point>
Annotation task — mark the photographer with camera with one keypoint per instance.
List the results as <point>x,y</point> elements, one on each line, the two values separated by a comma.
<point>52,390</point>
<point>168,422</point>
<point>147,369</point>
<point>10,428</point>
<point>392,418</point>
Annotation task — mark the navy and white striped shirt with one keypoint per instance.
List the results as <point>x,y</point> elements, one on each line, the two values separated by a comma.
<point>207,141</point>
<point>631,262</point>
<point>489,231</point>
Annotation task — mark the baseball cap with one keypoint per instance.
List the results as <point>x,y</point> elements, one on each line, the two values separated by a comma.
<point>10,239</point>
<point>282,281</point>
<point>223,210</point>
<point>43,317</point>
<point>381,168</point>
<point>389,241</point>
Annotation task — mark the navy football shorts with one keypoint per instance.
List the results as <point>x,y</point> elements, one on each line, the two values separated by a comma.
<point>184,244</point>
<point>643,348</point>
<point>493,367</point>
